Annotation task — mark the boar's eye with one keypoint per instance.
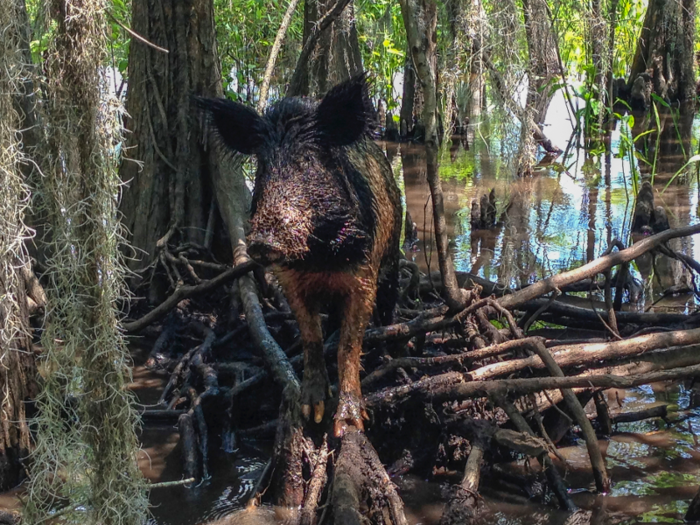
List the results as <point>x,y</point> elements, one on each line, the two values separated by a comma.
<point>239,127</point>
<point>345,113</point>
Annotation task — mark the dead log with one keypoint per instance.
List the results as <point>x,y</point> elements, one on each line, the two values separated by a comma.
<point>275,358</point>
<point>604,419</point>
<point>521,442</point>
<point>464,504</point>
<point>553,476</point>
<point>602,480</point>
<point>586,314</point>
<point>640,415</point>
<point>451,386</point>
<point>315,487</point>
<point>188,442</point>
<point>448,360</point>
<point>590,354</point>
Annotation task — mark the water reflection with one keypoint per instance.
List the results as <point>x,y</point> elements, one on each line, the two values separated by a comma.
<point>567,213</point>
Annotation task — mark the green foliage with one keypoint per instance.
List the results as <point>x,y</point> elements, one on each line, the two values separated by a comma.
<point>383,45</point>
<point>245,32</point>
<point>630,17</point>
<point>118,38</point>
<point>627,148</point>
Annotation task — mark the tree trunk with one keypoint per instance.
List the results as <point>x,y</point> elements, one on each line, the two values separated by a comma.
<point>408,98</point>
<point>665,50</point>
<point>420,19</point>
<point>544,65</point>
<point>337,55</point>
<point>169,171</point>
<point>17,367</point>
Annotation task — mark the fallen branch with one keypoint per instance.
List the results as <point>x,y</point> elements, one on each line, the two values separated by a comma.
<point>587,314</point>
<point>555,481</point>
<point>186,291</point>
<point>275,358</point>
<point>448,387</point>
<point>447,360</point>
<point>640,415</point>
<point>602,480</point>
<point>589,354</point>
<point>594,267</point>
<point>315,487</point>
<point>464,504</point>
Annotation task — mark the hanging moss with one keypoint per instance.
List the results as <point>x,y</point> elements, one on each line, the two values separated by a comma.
<point>16,362</point>
<point>86,452</point>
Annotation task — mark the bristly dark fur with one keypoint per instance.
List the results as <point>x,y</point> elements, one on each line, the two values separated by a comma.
<point>326,211</point>
<point>341,123</point>
<point>239,127</point>
<point>300,144</point>
<point>343,117</point>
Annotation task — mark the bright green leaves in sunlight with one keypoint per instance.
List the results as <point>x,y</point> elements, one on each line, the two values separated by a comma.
<point>382,44</point>
<point>245,32</point>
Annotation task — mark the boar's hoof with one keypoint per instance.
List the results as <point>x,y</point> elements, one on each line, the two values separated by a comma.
<point>350,413</point>
<point>314,391</point>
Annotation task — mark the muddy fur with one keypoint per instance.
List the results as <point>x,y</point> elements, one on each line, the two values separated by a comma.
<point>326,213</point>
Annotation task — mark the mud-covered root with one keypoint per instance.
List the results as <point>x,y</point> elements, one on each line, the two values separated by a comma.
<point>362,486</point>
<point>464,503</point>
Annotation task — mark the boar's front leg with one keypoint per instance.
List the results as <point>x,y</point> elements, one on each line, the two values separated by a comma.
<point>359,304</point>
<point>315,385</point>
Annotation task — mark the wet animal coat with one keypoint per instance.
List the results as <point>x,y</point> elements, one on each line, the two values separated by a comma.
<point>326,213</point>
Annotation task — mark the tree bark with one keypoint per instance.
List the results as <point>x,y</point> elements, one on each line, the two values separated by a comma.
<point>335,57</point>
<point>420,19</point>
<point>542,53</point>
<point>408,98</point>
<point>169,170</point>
<point>665,50</point>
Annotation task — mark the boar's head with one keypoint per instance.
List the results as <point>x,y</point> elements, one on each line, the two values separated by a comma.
<point>312,206</point>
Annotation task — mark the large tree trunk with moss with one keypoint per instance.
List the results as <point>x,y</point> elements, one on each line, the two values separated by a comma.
<point>665,53</point>
<point>170,197</point>
<point>17,367</point>
<point>336,56</point>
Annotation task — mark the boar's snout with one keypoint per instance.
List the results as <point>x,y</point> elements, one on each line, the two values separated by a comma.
<point>264,250</point>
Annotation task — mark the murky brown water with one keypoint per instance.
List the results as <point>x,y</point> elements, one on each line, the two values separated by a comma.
<point>555,220</point>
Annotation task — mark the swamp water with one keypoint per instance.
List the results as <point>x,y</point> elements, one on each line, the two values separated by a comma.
<point>561,217</point>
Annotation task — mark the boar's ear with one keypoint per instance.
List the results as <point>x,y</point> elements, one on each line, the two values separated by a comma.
<point>346,112</point>
<point>239,127</point>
